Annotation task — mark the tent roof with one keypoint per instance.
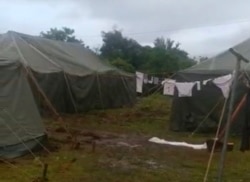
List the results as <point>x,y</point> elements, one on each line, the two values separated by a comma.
<point>223,62</point>
<point>48,56</point>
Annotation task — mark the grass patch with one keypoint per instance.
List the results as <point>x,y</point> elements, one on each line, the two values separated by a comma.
<point>127,157</point>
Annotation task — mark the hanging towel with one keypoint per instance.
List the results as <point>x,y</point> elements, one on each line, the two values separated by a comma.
<point>150,79</point>
<point>205,81</point>
<point>185,88</point>
<point>156,80</point>
<point>224,83</point>
<point>139,82</point>
<point>198,83</point>
<point>169,86</point>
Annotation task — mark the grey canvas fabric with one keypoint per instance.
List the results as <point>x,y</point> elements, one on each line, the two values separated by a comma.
<point>20,123</point>
<point>71,76</point>
<point>223,62</point>
<point>188,113</point>
<point>49,56</point>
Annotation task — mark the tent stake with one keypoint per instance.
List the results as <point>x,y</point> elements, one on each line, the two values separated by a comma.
<point>43,178</point>
<point>231,104</point>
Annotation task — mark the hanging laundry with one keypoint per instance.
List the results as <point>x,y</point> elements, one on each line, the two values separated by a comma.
<point>145,78</point>
<point>205,81</point>
<point>156,80</point>
<point>224,83</point>
<point>198,83</point>
<point>139,82</point>
<point>185,88</point>
<point>150,79</point>
<point>169,86</point>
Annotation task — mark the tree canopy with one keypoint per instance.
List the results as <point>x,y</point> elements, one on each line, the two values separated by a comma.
<point>116,46</point>
<point>64,34</point>
<point>165,56</point>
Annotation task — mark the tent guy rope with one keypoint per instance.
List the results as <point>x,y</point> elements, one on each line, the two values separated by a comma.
<point>38,142</point>
<point>214,143</point>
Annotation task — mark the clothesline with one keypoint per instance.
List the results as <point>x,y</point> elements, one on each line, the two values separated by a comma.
<point>185,88</point>
<point>142,78</point>
<point>169,80</point>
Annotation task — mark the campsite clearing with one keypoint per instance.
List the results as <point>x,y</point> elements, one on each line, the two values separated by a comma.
<point>121,151</point>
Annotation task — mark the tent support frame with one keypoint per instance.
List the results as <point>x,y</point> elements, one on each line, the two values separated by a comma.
<point>239,58</point>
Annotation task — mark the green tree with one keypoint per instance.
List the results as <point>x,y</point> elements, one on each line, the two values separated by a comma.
<point>64,34</point>
<point>165,56</point>
<point>115,45</point>
<point>123,65</point>
<point>177,58</point>
<point>167,44</point>
<point>158,60</point>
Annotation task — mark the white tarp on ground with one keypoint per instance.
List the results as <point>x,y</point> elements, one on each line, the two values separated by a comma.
<point>181,144</point>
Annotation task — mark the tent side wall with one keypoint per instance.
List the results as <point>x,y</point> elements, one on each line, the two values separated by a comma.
<point>72,77</point>
<point>20,123</point>
<point>102,91</point>
<point>70,94</point>
<point>188,113</point>
<point>54,86</point>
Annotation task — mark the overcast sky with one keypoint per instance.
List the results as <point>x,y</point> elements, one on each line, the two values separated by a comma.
<point>203,27</point>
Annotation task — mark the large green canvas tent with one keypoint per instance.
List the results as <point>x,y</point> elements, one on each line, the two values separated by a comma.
<point>69,76</point>
<point>188,113</point>
<point>72,77</point>
<point>21,128</point>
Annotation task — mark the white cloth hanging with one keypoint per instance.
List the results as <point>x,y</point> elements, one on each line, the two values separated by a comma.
<point>224,84</point>
<point>198,83</point>
<point>139,81</point>
<point>185,88</point>
<point>156,80</point>
<point>169,86</point>
<point>205,81</point>
<point>150,79</point>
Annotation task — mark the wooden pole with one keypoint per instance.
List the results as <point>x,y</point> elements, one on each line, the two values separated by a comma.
<point>234,115</point>
<point>229,118</point>
<point>44,175</point>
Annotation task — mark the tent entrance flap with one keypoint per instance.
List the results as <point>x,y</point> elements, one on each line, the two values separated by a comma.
<point>187,113</point>
<point>20,121</point>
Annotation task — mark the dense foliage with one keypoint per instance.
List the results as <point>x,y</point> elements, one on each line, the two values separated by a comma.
<point>65,34</point>
<point>165,56</point>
